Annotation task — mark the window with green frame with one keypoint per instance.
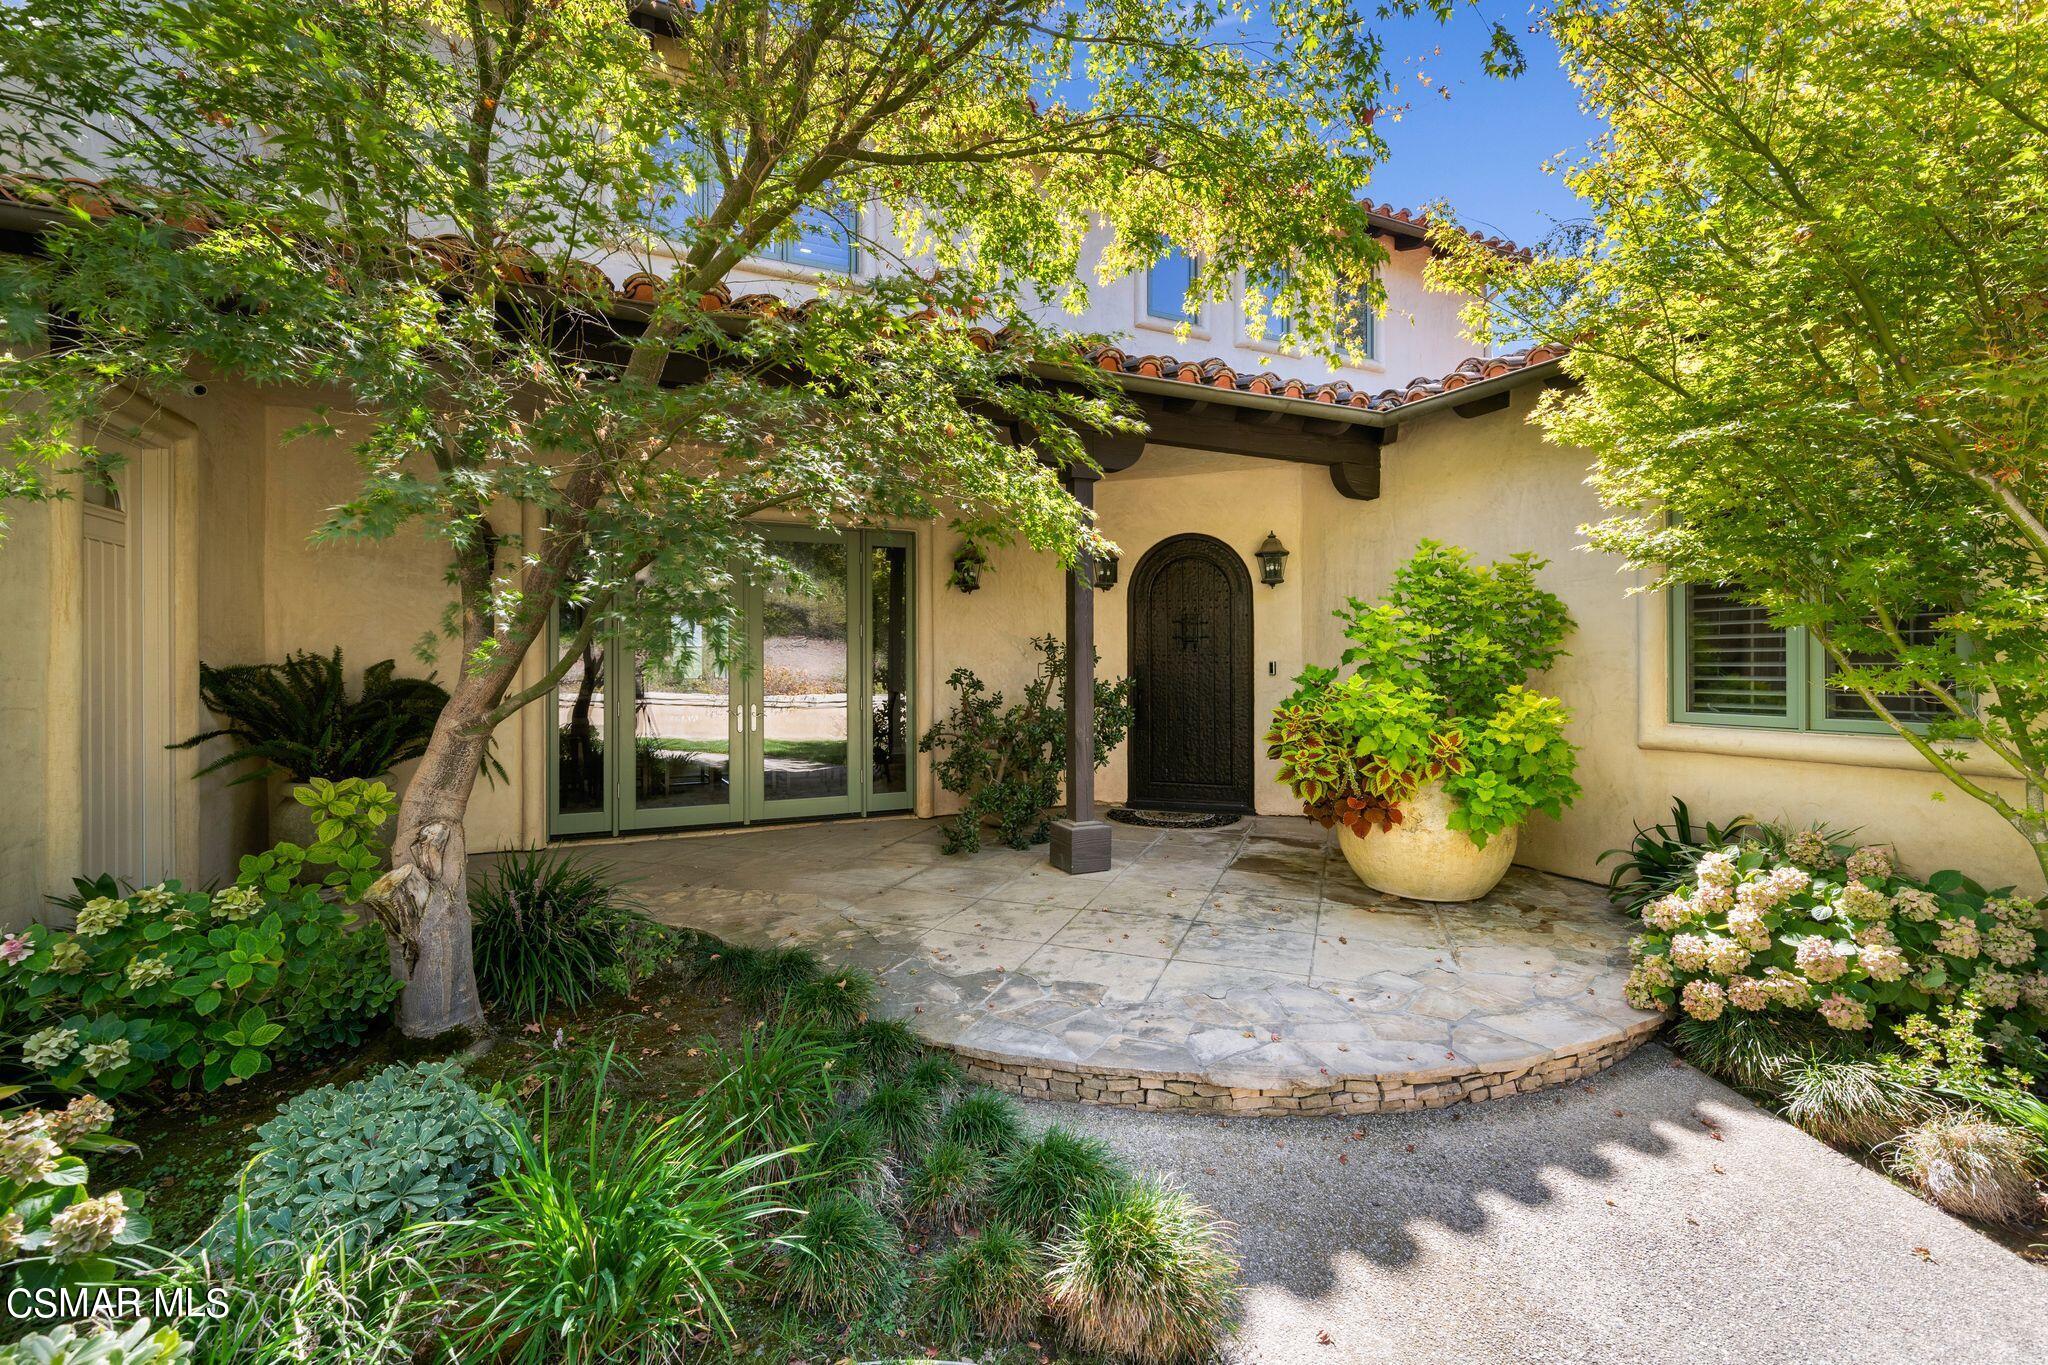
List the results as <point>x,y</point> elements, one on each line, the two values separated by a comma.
<point>1731,666</point>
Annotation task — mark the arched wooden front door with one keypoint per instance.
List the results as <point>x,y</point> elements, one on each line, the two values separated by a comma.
<point>1191,657</point>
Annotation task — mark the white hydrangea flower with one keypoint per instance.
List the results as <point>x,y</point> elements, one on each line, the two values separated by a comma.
<point>1666,913</point>
<point>1689,952</point>
<point>1725,956</point>
<point>149,971</point>
<point>1959,938</point>
<point>1861,902</point>
<point>100,915</point>
<point>1703,999</point>
<point>1844,1013</point>
<point>236,902</point>
<point>46,1050</point>
<point>1883,961</point>
<point>100,1058</point>
<point>1716,868</point>
<point>27,1151</point>
<point>1748,993</point>
<point>2000,990</point>
<point>1750,928</point>
<point>152,899</point>
<point>89,1226</point>
<point>1871,863</point>
<point>1916,903</point>
<point>2009,945</point>
<point>1711,902</point>
<point>1810,849</point>
<point>1823,959</point>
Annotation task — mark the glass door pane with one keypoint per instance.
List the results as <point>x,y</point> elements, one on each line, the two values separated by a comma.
<point>803,738</point>
<point>891,744</point>
<point>682,733</point>
<point>578,761</point>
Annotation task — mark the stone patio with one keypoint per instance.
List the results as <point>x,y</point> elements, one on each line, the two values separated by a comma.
<point>1236,970</point>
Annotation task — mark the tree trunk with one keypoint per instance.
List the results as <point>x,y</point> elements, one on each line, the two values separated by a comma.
<point>423,902</point>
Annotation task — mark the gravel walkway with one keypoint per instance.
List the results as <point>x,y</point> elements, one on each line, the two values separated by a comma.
<point>1647,1215</point>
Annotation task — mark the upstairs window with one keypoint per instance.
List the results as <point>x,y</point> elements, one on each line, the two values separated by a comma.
<point>1169,289</point>
<point>1363,320</point>
<point>1731,666</point>
<point>825,237</point>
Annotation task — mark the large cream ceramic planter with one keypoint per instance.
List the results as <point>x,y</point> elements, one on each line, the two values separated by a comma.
<point>1423,858</point>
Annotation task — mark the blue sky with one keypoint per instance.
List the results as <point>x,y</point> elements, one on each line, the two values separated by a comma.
<point>1482,149</point>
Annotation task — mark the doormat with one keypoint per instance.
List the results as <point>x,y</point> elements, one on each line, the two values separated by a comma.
<point>1172,819</point>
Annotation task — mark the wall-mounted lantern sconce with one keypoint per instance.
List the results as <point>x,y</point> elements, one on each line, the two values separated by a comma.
<point>968,562</point>
<point>1272,561</point>
<point>1105,573</point>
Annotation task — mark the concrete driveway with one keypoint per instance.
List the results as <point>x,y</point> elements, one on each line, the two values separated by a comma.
<point>1649,1214</point>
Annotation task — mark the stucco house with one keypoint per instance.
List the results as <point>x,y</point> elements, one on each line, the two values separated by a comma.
<point>111,603</point>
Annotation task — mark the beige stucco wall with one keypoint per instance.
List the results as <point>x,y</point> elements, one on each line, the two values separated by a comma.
<point>1167,493</point>
<point>1494,486</point>
<point>1488,483</point>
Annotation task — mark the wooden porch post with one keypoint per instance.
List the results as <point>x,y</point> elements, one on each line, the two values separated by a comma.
<point>1080,843</point>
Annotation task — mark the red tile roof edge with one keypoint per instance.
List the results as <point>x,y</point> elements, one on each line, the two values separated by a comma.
<point>643,288</point>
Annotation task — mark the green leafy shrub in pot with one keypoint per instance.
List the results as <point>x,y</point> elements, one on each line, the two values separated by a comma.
<point>53,1234</point>
<point>551,930</point>
<point>1435,693</point>
<point>1144,1273</point>
<point>179,988</point>
<point>1823,930</point>
<point>405,1145</point>
<point>1009,761</point>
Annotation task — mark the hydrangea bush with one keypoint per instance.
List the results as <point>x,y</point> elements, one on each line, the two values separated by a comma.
<point>52,1232</point>
<point>1822,928</point>
<point>164,985</point>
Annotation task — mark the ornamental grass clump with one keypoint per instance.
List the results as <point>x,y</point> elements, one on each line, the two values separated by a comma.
<point>986,1120</point>
<point>1436,693</point>
<point>844,1257</point>
<point>949,1183</point>
<point>777,1083</point>
<point>884,1046</point>
<point>1143,1273</point>
<point>1039,1185</point>
<point>1971,1166</point>
<point>988,1284</point>
<point>903,1113</point>
<point>851,1155</point>
<point>840,1000</point>
<point>552,930</point>
<point>1850,1103</point>
<point>1820,931</point>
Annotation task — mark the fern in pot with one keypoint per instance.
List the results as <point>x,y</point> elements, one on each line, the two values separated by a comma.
<point>1424,746</point>
<point>294,721</point>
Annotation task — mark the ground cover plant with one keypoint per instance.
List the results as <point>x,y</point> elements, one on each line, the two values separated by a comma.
<point>1437,692</point>
<point>1009,761</point>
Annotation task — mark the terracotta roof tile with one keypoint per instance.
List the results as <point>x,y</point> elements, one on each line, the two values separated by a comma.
<point>1217,373</point>
<point>643,288</point>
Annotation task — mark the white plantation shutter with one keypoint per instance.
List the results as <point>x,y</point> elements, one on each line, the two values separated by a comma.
<point>1921,708</point>
<point>1736,663</point>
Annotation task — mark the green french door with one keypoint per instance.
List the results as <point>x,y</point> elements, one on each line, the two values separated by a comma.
<point>804,711</point>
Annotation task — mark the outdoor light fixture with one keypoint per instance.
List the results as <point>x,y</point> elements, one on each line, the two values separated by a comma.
<point>1272,561</point>
<point>1105,573</point>
<point>968,563</point>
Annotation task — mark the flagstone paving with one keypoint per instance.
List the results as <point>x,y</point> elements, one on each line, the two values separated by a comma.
<point>1236,970</point>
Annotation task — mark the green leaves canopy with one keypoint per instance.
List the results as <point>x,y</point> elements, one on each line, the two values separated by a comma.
<point>1808,321</point>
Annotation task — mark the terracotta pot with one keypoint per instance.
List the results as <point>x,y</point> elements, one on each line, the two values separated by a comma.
<point>1423,858</point>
